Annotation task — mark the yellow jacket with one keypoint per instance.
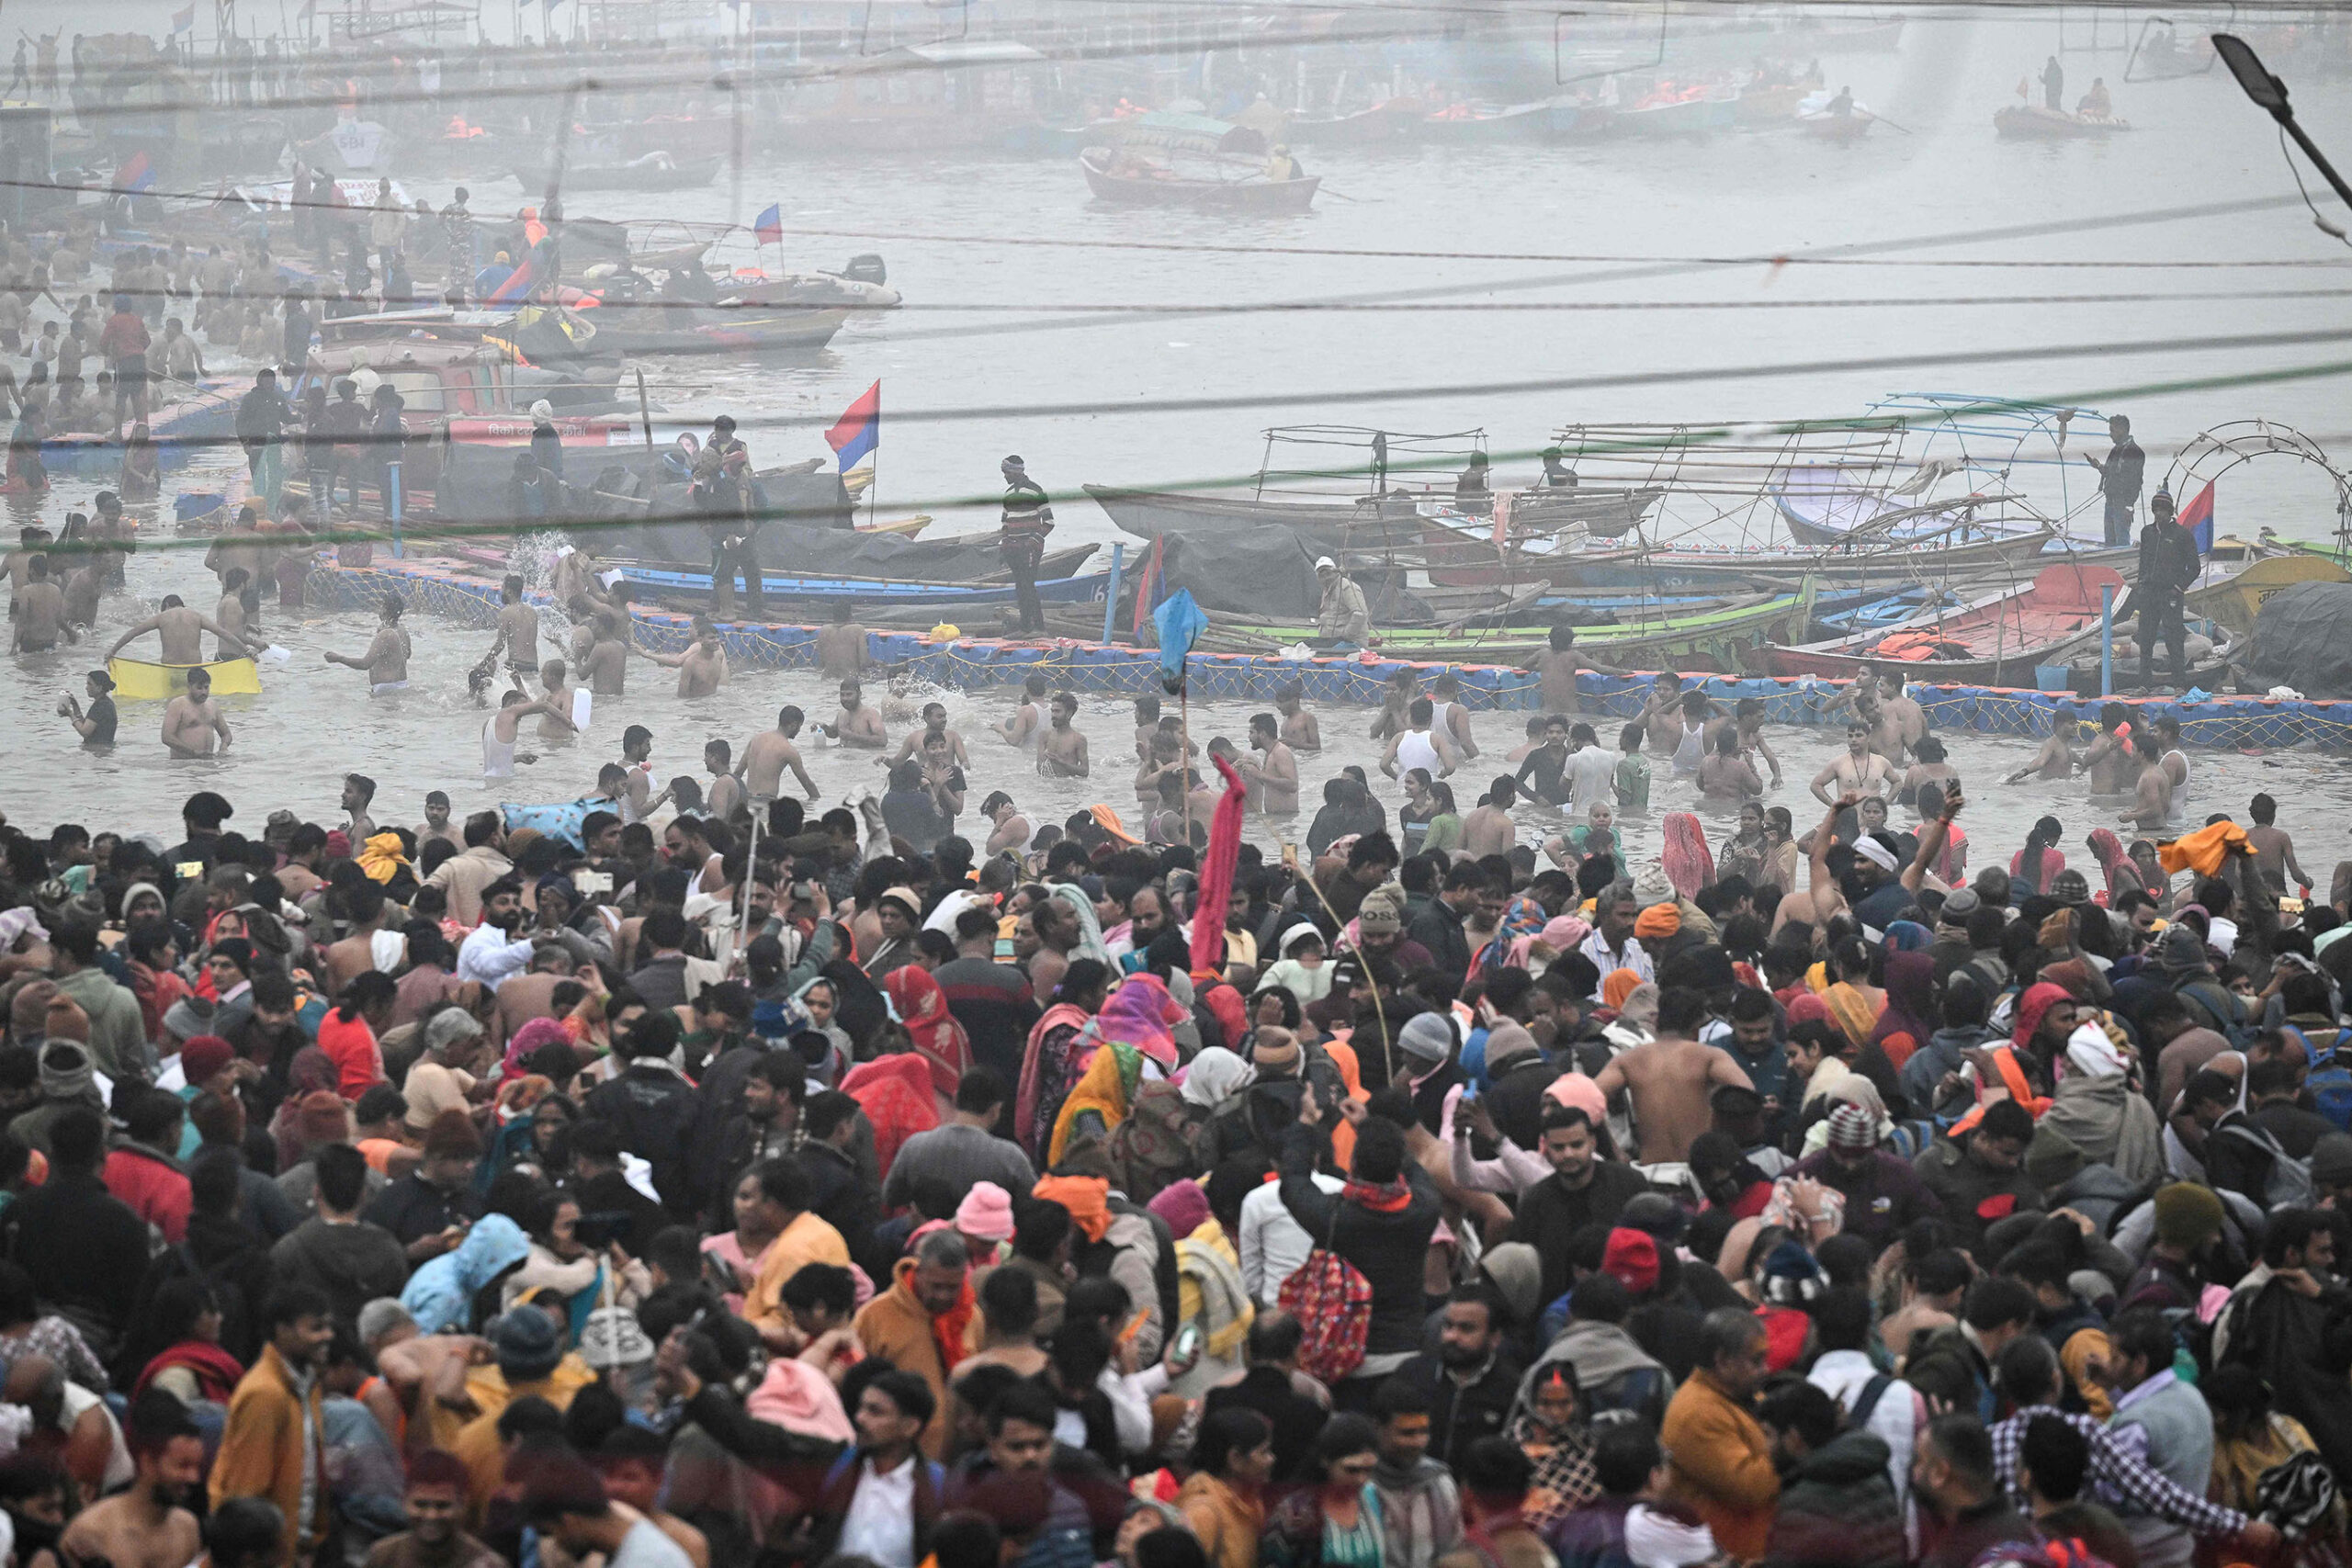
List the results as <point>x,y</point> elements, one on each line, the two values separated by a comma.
<point>261,1450</point>
<point>1722,1465</point>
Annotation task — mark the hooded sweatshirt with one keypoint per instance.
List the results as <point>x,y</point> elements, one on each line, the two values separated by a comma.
<point>440,1294</point>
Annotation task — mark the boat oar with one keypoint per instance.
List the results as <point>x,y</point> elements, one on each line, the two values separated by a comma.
<point>1883,120</point>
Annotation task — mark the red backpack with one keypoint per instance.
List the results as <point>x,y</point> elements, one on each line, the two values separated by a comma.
<point>1332,1301</point>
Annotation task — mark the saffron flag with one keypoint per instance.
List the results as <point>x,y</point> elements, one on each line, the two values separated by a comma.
<point>768,227</point>
<point>2197,517</point>
<point>859,430</point>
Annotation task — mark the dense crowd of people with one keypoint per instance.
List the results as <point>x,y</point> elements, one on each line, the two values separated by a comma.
<point>781,1190</point>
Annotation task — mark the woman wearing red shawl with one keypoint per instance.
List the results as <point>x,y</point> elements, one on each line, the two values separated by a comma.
<point>192,1365</point>
<point>1907,1021</point>
<point>1059,1049</point>
<point>939,1039</point>
<point>304,1119</point>
<point>1141,1015</point>
<point>895,1091</point>
<point>2123,877</point>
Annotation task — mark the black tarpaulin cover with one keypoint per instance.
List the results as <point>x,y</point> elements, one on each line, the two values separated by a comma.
<point>2303,637</point>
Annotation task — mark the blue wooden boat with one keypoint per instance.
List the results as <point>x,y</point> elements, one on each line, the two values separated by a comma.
<point>659,583</point>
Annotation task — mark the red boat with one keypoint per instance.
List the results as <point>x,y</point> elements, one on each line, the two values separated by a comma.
<point>1994,641</point>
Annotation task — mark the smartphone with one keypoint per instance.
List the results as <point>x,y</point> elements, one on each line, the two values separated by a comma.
<point>1290,856</point>
<point>1188,1342</point>
<point>593,881</point>
<point>189,870</point>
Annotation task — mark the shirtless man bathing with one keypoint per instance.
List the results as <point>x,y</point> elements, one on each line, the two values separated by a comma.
<point>768,754</point>
<point>386,659</point>
<point>190,721</point>
<point>181,631</point>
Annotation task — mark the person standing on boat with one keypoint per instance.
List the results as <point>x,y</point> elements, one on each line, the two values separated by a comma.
<point>1471,493</point>
<point>457,235</point>
<point>1344,617</point>
<point>1027,520</point>
<point>2119,473</point>
<point>722,477</point>
<point>2168,564</point>
<point>2053,88</point>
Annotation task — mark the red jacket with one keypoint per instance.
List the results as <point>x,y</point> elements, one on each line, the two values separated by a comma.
<point>351,1046</point>
<point>152,1186</point>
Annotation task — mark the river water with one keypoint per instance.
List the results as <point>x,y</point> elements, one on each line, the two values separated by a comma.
<point>992,330</point>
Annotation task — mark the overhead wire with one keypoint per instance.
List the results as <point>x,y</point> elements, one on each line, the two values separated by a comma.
<point>1677,440</point>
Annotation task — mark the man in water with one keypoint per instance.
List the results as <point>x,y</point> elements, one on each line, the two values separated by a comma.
<point>769,753</point>
<point>2151,798</point>
<point>436,824</point>
<point>702,668</point>
<point>1859,770</point>
<point>41,612</point>
<point>1027,720</point>
<point>501,730</point>
<point>518,629</point>
<point>561,700</point>
<point>1272,780</point>
<point>190,721</point>
<point>1548,762</point>
<point>230,611</point>
<point>1343,617</point>
<point>2274,851</point>
<point>2120,471</point>
<point>1489,830</point>
<point>855,725</point>
<point>2107,759</point>
<point>2055,759</point>
<point>1902,716</point>
<point>840,648</point>
<point>181,631</point>
<point>1061,750</point>
<point>96,726</point>
<point>934,722</point>
<point>1300,732</point>
<point>726,792</point>
<point>1556,671</point>
<point>1027,519</point>
<point>386,659</point>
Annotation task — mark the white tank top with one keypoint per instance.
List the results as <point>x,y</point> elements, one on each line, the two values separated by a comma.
<point>1416,751</point>
<point>497,756</point>
<point>2177,815</point>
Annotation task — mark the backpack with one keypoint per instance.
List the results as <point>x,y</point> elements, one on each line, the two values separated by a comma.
<point>2330,1079</point>
<point>1332,1301</point>
<point>1154,1145</point>
<point>2290,1184</point>
<point>1858,1418</point>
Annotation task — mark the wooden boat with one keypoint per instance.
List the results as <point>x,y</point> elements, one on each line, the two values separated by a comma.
<point>1394,119</point>
<point>655,171</point>
<point>1836,127</point>
<point>2234,601</point>
<point>1057,584</point>
<point>1885,568</point>
<point>1567,120</point>
<point>1761,106</point>
<point>1246,189</point>
<point>1377,524</point>
<point>686,329</point>
<point>1486,122</point>
<point>2033,122</point>
<point>1718,638</point>
<point>1997,640</point>
<point>1697,116</point>
<point>138,681</point>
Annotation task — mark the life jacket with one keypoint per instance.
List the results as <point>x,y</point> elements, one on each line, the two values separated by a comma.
<point>2013,1078</point>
